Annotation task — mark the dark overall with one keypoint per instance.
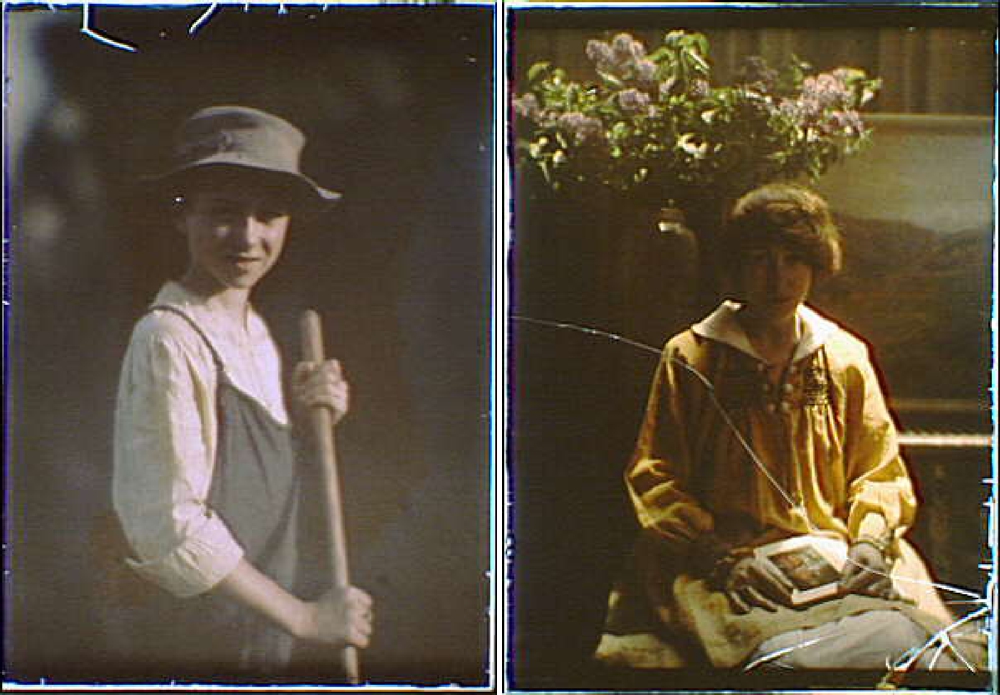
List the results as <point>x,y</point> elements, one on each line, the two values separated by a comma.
<point>255,489</point>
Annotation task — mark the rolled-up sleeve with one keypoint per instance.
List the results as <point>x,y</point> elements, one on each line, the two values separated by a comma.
<point>165,444</point>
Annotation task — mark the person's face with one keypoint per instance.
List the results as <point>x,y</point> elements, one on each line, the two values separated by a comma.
<point>235,234</point>
<point>773,281</point>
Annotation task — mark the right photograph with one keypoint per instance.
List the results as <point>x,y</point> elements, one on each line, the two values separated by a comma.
<point>749,418</point>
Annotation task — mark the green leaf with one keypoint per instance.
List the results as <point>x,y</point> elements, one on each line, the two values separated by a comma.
<point>702,43</point>
<point>619,129</point>
<point>659,54</point>
<point>537,70</point>
<point>732,138</point>
<point>674,38</point>
<point>611,79</point>
<point>699,62</point>
<point>545,172</point>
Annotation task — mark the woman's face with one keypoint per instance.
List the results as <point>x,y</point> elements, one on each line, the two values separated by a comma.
<point>773,281</point>
<point>235,234</point>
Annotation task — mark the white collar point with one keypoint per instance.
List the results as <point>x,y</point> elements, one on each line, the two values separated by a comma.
<point>723,326</point>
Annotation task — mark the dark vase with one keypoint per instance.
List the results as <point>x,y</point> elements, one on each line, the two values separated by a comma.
<point>657,274</point>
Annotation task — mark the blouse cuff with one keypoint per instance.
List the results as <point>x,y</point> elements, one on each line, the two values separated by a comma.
<point>876,511</point>
<point>872,528</point>
<point>200,562</point>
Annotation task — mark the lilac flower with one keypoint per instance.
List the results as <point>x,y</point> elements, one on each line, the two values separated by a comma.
<point>699,89</point>
<point>600,53</point>
<point>633,101</point>
<point>583,128</point>
<point>847,123</point>
<point>526,106</point>
<point>590,129</point>
<point>571,120</point>
<point>825,89</point>
<point>800,110</point>
<point>645,70</point>
<point>849,78</point>
<point>627,48</point>
<point>622,45</point>
<point>637,128</point>
<point>810,107</point>
<point>638,50</point>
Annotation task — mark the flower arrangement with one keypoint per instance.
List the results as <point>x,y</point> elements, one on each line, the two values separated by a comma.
<point>652,125</point>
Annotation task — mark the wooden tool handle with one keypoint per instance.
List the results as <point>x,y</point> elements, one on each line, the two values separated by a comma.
<point>322,430</point>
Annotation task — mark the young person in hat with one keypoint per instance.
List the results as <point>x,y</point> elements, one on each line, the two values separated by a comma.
<point>207,484</point>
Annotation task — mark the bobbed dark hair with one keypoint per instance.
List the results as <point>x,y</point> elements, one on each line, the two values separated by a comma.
<point>785,214</point>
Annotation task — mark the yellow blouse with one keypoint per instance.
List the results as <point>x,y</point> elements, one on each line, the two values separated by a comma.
<point>826,449</point>
<point>723,451</point>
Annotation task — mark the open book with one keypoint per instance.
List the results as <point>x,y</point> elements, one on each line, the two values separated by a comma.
<point>811,563</point>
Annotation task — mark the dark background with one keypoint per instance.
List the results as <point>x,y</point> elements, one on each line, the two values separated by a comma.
<point>919,294</point>
<point>397,105</point>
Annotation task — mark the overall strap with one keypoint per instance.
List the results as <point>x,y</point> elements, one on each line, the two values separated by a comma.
<point>255,490</point>
<point>220,368</point>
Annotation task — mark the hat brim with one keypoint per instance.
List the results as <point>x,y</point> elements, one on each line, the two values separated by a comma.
<point>307,191</point>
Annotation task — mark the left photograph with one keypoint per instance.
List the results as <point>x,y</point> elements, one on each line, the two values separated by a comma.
<point>248,345</point>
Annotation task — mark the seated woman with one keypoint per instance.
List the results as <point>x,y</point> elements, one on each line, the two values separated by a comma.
<point>765,422</point>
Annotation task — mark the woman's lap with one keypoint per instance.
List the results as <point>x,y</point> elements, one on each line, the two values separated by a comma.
<point>871,640</point>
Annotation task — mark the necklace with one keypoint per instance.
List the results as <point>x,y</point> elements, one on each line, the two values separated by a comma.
<point>784,356</point>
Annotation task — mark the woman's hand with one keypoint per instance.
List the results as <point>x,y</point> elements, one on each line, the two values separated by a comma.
<point>321,384</point>
<point>340,617</point>
<point>754,583</point>
<point>866,572</point>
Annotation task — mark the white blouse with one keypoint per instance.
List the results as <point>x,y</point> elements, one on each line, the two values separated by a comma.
<point>166,436</point>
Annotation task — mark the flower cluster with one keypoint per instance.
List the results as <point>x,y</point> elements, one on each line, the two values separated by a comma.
<point>652,123</point>
<point>624,55</point>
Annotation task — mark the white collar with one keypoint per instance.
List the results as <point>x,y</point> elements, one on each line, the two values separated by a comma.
<point>176,294</point>
<point>209,318</point>
<point>723,326</point>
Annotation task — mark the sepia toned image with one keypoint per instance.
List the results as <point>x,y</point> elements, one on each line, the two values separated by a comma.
<point>249,345</point>
<point>750,434</point>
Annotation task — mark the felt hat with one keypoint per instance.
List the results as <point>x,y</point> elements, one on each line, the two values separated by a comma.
<point>243,138</point>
